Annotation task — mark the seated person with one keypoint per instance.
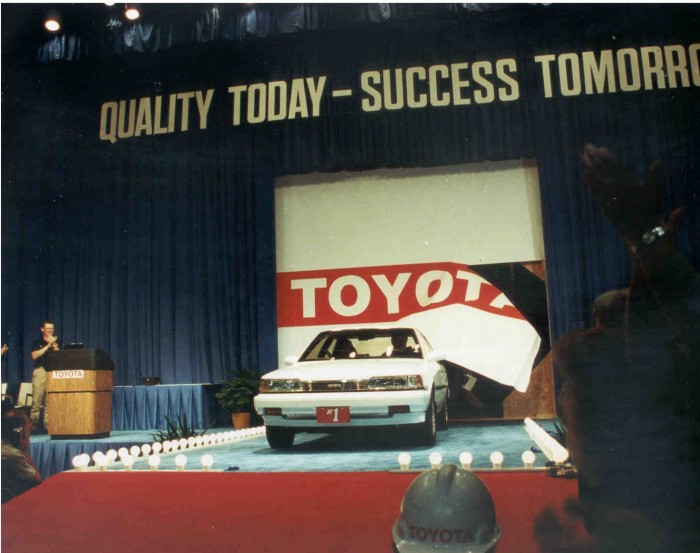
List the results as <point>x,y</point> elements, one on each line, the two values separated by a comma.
<point>399,347</point>
<point>18,471</point>
<point>344,349</point>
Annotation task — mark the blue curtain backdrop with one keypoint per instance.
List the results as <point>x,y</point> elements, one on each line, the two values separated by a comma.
<point>161,249</point>
<point>164,259</point>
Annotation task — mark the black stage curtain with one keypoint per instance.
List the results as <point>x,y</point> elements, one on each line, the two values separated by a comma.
<point>161,249</point>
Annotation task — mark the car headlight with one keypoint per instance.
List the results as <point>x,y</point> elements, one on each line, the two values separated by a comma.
<point>405,382</point>
<point>279,385</point>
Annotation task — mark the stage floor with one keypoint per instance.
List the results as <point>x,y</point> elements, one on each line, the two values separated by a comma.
<point>358,451</point>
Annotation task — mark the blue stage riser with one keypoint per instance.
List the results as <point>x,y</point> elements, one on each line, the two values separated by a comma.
<point>146,407</point>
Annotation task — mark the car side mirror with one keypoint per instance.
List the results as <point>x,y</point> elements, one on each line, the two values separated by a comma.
<point>437,356</point>
<point>290,360</point>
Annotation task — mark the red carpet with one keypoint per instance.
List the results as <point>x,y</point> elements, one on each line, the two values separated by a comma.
<point>246,512</point>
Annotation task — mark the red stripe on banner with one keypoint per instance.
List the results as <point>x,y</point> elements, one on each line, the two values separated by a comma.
<point>382,294</point>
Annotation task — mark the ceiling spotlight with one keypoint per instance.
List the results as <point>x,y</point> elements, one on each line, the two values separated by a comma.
<point>132,14</point>
<point>52,24</point>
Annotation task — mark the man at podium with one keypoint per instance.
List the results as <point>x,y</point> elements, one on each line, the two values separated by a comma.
<point>47,342</point>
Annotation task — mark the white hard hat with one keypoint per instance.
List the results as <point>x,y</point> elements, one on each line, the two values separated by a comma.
<point>447,509</point>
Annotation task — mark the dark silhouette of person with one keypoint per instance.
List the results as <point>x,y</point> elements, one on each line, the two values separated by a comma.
<point>592,366</point>
<point>18,471</point>
<point>629,386</point>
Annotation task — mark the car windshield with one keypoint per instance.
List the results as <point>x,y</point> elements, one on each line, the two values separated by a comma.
<point>364,344</point>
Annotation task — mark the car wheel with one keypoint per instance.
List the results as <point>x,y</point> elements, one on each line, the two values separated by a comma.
<point>279,437</point>
<point>442,418</point>
<point>428,429</point>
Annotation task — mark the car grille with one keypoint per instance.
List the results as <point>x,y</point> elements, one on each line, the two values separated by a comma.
<point>337,386</point>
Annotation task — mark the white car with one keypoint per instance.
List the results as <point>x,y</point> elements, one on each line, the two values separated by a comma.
<point>353,378</point>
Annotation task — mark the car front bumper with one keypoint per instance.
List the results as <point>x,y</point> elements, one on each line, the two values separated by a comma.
<point>366,408</point>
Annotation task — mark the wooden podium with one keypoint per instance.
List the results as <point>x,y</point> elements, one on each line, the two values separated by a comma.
<point>79,393</point>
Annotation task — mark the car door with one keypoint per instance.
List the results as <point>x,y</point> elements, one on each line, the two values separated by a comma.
<point>440,380</point>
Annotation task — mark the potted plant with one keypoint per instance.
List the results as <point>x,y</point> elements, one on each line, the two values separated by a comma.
<point>177,429</point>
<point>236,394</point>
